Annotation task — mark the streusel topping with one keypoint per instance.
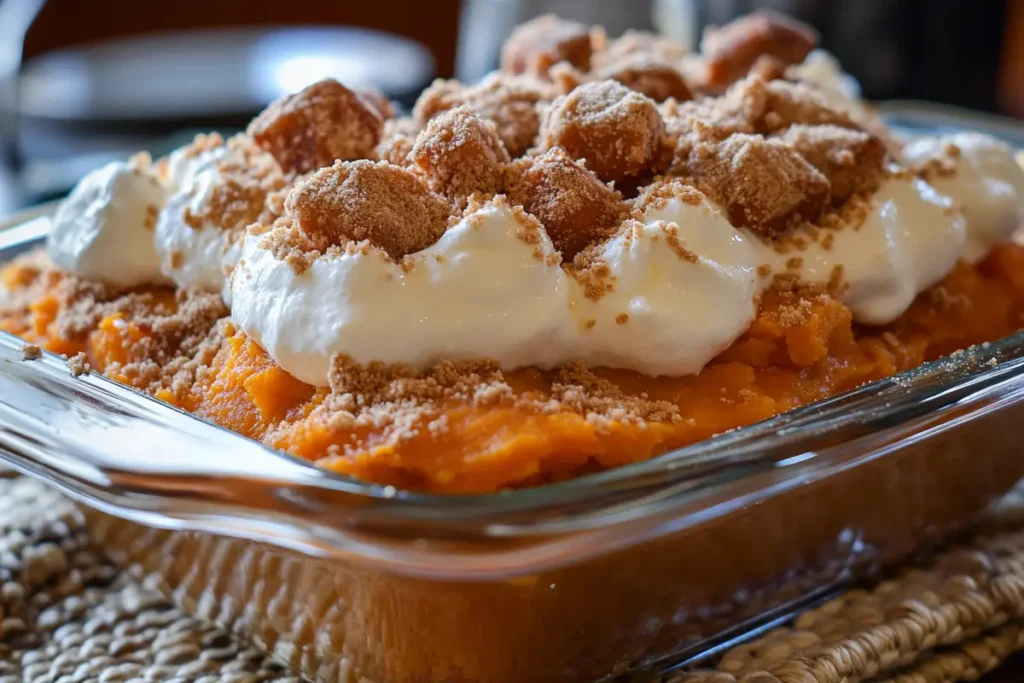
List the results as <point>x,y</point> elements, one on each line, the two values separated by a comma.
<point>574,206</point>
<point>539,44</point>
<point>378,202</point>
<point>247,176</point>
<point>318,125</point>
<point>617,130</point>
<point>730,51</point>
<point>511,103</point>
<point>460,153</point>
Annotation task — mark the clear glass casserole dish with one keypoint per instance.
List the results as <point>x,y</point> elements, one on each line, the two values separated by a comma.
<point>630,568</point>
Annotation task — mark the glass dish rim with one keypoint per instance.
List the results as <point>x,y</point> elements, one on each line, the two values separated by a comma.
<point>926,387</point>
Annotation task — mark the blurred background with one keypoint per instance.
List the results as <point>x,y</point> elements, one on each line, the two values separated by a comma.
<point>84,80</point>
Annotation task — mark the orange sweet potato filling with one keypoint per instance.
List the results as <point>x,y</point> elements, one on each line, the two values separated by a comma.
<point>777,365</point>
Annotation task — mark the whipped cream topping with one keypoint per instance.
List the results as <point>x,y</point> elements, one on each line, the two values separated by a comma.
<point>480,292</point>
<point>492,288</point>
<point>909,240</point>
<point>822,69</point>
<point>982,176</point>
<point>195,257</point>
<point>684,288</point>
<point>103,230</point>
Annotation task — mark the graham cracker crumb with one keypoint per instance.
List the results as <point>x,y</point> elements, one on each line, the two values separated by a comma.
<point>671,232</point>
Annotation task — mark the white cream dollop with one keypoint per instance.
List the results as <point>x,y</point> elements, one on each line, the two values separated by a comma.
<point>910,239</point>
<point>480,292</point>
<point>195,257</point>
<point>669,314</point>
<point>986,181</point>
<point>103,230</point>
<point>840,90</point>
<point>483,292</point>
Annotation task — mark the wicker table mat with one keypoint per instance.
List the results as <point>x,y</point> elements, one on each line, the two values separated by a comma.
<point>67,616</point>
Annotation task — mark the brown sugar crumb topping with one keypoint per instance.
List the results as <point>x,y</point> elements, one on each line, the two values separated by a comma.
<point>578,389</point>
<point>31,352</point>
<point>246,178</point>
<point>633,43</point>
<point>537,45</point>
<point>657,195</point>
<point>509,102</point>
<point>402,402</point>
<point>654,77</point>
<point>763,184</point>
<point>671,232</point>
<point>787,104</point>
<point>460,153</point>
<point>396,149</point>
<point>852,160</point>
<point>377,202</point>
<point>376,99</point>
<point>622,319</point>
<point>78,365</point>
<point>617,130</point>
<point>942,165</point>
<point>574,206</point>
<point>731,50</point>
<point>314,127</point>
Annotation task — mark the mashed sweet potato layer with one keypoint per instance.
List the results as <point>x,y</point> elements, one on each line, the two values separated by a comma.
<point>783,361</point>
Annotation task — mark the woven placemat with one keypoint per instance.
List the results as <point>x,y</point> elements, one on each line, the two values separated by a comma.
<point>68,616</point>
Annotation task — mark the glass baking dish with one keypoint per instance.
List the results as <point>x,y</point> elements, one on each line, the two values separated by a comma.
<point>633,568</point>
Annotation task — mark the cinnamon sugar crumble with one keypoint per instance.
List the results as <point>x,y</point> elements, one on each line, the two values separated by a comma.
<point>617,130</point>
<point>314,127</point>
<point>656,78</point>
<point>79,365</point>
<point>246,178</point>
<point>622,319</point>
<point>763,184</point>
<point>731,51</point>
<point>537,45</point>
<point>378,202</point>
<point>574,207</point>
<point>31,352</point>
<point>460,153</point>
<point>511,103</point>
<point>671,232</point>
<point>402,403</point>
